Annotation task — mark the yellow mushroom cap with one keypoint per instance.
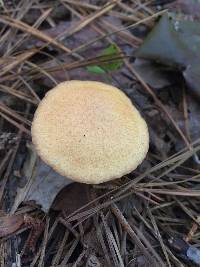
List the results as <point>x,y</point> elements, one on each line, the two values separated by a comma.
<point>89,132</point>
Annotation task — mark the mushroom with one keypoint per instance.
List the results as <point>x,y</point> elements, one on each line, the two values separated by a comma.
<point>89,132</point>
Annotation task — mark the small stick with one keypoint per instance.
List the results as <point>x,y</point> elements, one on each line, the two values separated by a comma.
<point>192,231</point>
<point>130,231</point>
<point>45,240</point>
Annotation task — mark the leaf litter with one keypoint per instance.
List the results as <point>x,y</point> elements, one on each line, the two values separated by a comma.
<point>189,8</point>
<point>175,43</point>
<point>49,221</point>
<point>43,183</point>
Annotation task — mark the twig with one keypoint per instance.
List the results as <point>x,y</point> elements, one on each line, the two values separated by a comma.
<point>130,231</point>
<point>58,255</point>
<point>42,255</point>
<point>69,253</point>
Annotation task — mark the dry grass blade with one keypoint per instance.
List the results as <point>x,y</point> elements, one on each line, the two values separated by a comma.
<point>50,233</point>
<point>175,260</point>
<point>82,216</point>
<point>16,124</point>
<point>147,198</point>
<point>162,206</point>
<point>25,36</point>
<point>58,255</point>
<point>161,183</point>
<point>124,35</point>
<point>159,236</point>
<point>85,21</point>
<point>69,253</point>
<point>133,235</point>
<point>115,252</point>
<point>30,89</point>
<point>69,66</point>
<point>157,167</point>
<point>69,227</point>
<point>42,255</point>
<point>16,61</point>
<point>31,30</point>
<point>127,186</point>
<point>135,11</point>
<point>14,114</point>
<point>187,211</point>
<point>100,238</point>
<point>149,246</point>
<point>42,71</point>
<point>113,13</point>
<point>4,161</point>
<point>17,93</point>
<point>176,192</point>
<point>82,4</point>
<point>156,235</point>
<point>89,61</point>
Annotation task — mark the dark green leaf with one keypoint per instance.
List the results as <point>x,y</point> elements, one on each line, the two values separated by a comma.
<point>192,76</point>
<point>95,69</point>
<point>175,43</point>
<point>108,53</point>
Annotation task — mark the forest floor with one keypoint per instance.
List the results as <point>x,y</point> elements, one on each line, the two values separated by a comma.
<point>147,218</point>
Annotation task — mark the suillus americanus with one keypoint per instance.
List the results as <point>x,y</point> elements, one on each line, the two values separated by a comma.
<point>89,132</point>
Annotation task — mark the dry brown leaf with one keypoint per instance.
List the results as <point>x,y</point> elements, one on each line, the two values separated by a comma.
<point>72,197</point>
<point>43,183</point>
<point>10,224</point>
